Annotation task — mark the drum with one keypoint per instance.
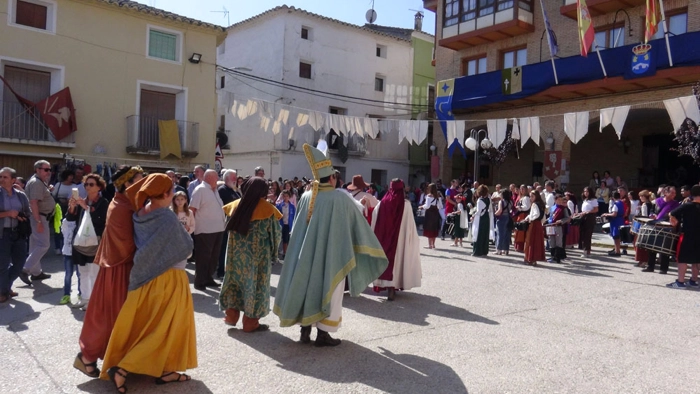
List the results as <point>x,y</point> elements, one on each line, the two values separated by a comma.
<point>550,230</point>
<point>660,238</point>
<point>600,220</point>
<point>606,228</point>
<point>638,223</point>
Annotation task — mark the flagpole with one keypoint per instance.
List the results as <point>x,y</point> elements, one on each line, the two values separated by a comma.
<point>663,22</point>
<point>549,41</point>
<point>600,59</point>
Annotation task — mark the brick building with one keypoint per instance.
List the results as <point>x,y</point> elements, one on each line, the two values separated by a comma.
<point>474,44</point>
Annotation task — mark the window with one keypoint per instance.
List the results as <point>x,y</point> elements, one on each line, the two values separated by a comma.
<point>333,138</point>
<point>223,82</point>
<point>378,177</point>
<point>157,102</point>
<point>677,24</point>
<point>33,14</point>
<point>610,37</point>
<point>457,11</point>
<point>304,33</point>
<point>381,51</point>
<point>304,70</point>
<point>33,85</point>
<point>431,102</point>
<point>474,66</point>
<point>164,44</point>
<point>378,84</point>
<point>514,58</point>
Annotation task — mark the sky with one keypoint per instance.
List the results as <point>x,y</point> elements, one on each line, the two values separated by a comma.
<point>395,13</point>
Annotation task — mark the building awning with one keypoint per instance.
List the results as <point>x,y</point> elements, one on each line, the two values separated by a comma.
<point>579,77</point>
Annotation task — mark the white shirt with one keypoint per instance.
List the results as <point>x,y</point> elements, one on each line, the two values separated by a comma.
<point>572,207</point>
<point>534,213</point>
<point>548,200</point>
<point>524,204</point>
<point>210,217</point>
<point>429,201</point>
<point>589,205</point>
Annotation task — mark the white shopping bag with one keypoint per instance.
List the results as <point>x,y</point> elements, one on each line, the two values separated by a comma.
<point>86,233</point>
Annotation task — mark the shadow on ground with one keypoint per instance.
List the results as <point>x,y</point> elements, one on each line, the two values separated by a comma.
<point>351,363</point>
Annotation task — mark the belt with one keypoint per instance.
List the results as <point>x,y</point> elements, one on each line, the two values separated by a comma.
<point>46,215</point>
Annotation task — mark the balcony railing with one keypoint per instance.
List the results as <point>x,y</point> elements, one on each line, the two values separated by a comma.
<point>21,125</point>
<point>599,7</point>
<point>143,136</point>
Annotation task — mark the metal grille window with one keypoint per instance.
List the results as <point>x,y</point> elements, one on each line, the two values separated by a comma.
<point>162,45</point>
<point>378,84</point>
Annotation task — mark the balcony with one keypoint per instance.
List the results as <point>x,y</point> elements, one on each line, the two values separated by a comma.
<point>431,5</point>
<point>19,125</point>
<point>503,20</point>
<point>143,136</point>
<point>599,7</point>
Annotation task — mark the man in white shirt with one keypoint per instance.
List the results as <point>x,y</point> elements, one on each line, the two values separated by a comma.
<point>198,179</point>
<point>208,230</point>
<point>549,200</point>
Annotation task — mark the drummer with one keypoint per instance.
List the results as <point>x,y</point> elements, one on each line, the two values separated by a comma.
<point>646,208</point>
<point>617,211</point>
<point>688,216</point>
<point>664,205</point>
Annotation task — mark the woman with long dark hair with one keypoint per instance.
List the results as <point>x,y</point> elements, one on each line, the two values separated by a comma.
<point>432,222</point>
<point>522,206</point>
<point>254,234</point>
<point>505,205</point>
<point>534,239</point>
<point>573,233</point>
<point>482,225</point>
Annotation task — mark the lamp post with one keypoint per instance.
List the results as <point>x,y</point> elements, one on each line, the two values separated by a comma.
<point>472,143</point>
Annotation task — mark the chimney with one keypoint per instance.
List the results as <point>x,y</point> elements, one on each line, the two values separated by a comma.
<point>418,21</point>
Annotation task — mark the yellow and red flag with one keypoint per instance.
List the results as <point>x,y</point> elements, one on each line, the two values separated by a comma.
<point>586,33</point>
<point>653,18</point>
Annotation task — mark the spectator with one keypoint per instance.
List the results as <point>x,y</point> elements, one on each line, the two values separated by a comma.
<point>594,184</point>
<point>62,193</point>
<point>208,232</point>
<point>198,179</point>
<point>259,172</point>
<point>288,211</point>
<point>42,205</point>
<point>14,208</point>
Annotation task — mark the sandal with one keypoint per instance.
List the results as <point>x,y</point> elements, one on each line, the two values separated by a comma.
<point>112,372</point>
<point>178,380</point>
<point>80,365</point>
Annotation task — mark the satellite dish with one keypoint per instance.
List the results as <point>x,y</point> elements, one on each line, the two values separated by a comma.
<point>371,16</point>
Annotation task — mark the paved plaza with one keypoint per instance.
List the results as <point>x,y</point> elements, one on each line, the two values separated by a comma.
<point>477,325</point>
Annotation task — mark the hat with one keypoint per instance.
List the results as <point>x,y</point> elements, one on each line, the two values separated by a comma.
<point>358,183</point>
<point>320,163</point>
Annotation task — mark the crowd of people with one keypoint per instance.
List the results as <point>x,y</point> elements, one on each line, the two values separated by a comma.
<point>539,219</point>
<point>129,239</point>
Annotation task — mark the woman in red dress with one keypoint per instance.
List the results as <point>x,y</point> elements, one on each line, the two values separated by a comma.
<point>534,239</point>
<point>522,206</point>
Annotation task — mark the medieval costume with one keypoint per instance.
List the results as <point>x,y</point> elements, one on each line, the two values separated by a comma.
<point>555,232</point>
<point>534,238</point>
<point>254,234</point>
<point>115,256</point>
<point>395,228</point>
<point>482,227</point>
<point>522,207</point>
<point>155,331</point>
<point>330,240</point>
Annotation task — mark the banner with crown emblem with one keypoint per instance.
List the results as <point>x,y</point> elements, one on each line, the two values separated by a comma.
<point>642,61</point>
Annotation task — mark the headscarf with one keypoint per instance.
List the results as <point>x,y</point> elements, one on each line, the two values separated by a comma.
<point>389,222</point>
<point>120,179</point>
<point>154,185</point>
<point>254,189</point>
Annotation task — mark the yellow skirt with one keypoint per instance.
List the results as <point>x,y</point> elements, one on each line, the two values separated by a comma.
<point>155,329</point>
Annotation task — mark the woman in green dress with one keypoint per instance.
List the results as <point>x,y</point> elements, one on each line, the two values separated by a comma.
<point>482,225</point>
<point>254,234</point>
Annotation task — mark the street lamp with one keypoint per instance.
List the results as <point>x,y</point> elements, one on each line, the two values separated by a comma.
<point>472,143</point>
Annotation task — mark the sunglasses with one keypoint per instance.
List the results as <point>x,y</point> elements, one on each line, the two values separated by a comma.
<point>45,169</point>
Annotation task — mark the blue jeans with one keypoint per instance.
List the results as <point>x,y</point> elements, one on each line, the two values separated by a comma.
<point>69,267</point>
<point>13,254</point>
<point>58,241</point>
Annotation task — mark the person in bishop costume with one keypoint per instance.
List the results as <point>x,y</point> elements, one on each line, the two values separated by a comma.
<point>330,240</point>
<point>394,226</point>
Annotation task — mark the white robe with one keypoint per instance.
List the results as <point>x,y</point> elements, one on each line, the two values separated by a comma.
<point>407,271</point>
<point>480,206</point>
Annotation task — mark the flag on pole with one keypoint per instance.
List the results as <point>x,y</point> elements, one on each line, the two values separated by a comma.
<point>586,33</point>
<point>552,38</point>
<point>653,18</point>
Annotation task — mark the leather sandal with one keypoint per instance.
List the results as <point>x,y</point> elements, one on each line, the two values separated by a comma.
<point>179,379</point>
<point>82,367</point>
<point>112,372</point>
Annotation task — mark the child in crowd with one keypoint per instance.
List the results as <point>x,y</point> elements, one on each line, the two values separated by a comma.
<point>182,210</point>
<point>617,212</point>
<point>288,211</point>
<point>67,229</point>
